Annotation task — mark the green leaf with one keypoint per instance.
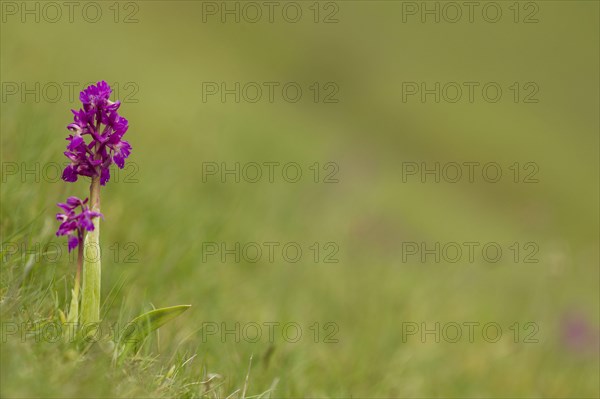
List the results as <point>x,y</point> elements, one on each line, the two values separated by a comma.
<point>70,323</point>
<point>138,329</point>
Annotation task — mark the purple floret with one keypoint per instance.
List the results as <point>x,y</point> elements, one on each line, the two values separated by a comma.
<point>100,120</point>
<point>75,224</point>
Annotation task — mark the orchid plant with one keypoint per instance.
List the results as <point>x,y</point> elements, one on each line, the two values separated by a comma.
<point>95,143</point>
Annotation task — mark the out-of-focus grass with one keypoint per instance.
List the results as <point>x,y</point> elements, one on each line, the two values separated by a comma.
<point>170,212</point>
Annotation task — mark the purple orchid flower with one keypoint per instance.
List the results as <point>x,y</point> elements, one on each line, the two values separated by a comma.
<point>100,120</point>
<point>74,224</point>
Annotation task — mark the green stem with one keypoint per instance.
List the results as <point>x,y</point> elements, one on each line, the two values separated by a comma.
<point>90,295</point>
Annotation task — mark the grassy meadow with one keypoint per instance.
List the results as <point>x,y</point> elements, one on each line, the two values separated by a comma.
<point>329,283</point>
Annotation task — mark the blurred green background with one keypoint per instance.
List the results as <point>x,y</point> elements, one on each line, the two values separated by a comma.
<point>160,63</point>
